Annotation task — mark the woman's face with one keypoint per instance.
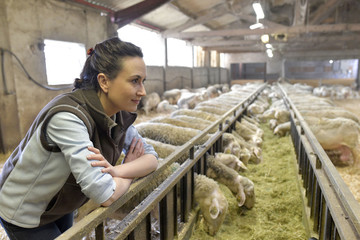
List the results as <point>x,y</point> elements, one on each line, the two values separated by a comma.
<point>125,91</point>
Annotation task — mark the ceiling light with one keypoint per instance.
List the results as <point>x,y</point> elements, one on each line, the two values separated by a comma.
<point>268,45</point>
<point>265,38</point>
<point>269,52</point>
<point>258,10</point>
<point>256,25</point>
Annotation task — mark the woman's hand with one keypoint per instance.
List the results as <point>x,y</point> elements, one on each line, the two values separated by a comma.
<point>101,161</point>
<point>136,150</point>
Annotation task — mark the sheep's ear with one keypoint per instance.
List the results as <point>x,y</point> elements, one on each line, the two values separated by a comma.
<point>214,209</point>
<point>241,165</point>
<point>227,150</point>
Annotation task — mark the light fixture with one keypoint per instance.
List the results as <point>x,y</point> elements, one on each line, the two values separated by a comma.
<point>331,61</point>
<point>258,10</point>
<point>269,52</point>
<point>256,25</point>
<point>265,38</point>
<point>268,45</point>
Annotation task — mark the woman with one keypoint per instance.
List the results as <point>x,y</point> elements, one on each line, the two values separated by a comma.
<point>60,163</point>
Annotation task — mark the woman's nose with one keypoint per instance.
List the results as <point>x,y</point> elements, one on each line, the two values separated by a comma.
<point>141,91</point>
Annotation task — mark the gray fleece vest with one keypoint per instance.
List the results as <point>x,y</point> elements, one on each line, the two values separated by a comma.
<point>86,105</point>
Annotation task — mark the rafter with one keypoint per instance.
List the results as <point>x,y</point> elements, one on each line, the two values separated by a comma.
<point>127,15</point>
<point>324,11</point>
<point>281,30</point>
<point>214,13</point>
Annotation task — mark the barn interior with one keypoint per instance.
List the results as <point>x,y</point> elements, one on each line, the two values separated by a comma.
<point>296,41</point>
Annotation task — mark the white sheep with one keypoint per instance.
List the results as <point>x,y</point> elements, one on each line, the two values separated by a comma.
<point>227,176</point>
<point>197,114</point>
<point>212,202</point>
<point>164,150</point>
<point>198,123</point>
<point>249,190</point>
<point>182,123</point>
<point>231,161</point>
<point>150,102</point>
<point>168,133</point>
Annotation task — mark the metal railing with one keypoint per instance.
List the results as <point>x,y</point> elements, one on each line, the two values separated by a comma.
<point>178,188</point>
<point>333,209</point>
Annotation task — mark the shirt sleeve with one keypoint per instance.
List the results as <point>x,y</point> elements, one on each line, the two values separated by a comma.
<point>70,134</point>
<point>130,134</point>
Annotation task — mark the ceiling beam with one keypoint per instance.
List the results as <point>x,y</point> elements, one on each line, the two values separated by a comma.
<point>320,55</point>
<point>127,15</point>
<point>331,28</point>
<point>325,39</point>
<point>300,13</point>
<point>324,11</point>
<point>239,42</point>
<point>215,12</point>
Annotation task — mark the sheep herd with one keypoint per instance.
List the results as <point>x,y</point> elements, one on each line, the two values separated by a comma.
<point>335,128</point>
<point>191,111</point>
<point>240,147</point>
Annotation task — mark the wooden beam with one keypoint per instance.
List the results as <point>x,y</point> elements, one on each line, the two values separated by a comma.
<point>324,11</point>
<point>223,42</point>
<point>281,30</point>
<point>300,13</point>
<point>127,15</point>
<point>330,54</point>
<point>215,12</point>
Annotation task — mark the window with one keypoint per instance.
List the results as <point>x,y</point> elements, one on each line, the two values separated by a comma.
<point>151,43</point>
<point>179,53</point>
<point>64,61</point>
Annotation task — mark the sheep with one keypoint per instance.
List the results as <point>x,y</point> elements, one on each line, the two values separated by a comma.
<point>255,151</point>
<point>211,109</point>
<point>164,150</point>
<point>189,100</point>
<point>150,102</point>
<point>227,176</point>
<point>249,190</point>
<point>168,133</point>
<point>248,134</point>
<point>332,113</point>
<point>165,107</point>
<point>251,120</point>
<point>172,96</point>
<point>212,202</point>
<point>216,103</point>
<point>282,129</point>
<point>256,129</point>
<point>232,146</point>
<point>182,123</point>
<point>198,123</point>
<point>197,114</point>
<point>231,161</point>
<point>142,194</point>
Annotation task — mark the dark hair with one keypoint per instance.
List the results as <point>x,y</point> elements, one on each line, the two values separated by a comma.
<point>106,58</point>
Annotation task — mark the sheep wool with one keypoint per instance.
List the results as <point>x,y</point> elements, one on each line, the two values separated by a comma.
<point>167,133</point>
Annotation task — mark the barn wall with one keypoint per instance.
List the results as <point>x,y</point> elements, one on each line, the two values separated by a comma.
<point>9,119</point>
<point>24,24</point>
<point>273,65</point>
<point>346,68</point>
<point>155,79</point>
<point>178,77</point>
<point>201,77</point>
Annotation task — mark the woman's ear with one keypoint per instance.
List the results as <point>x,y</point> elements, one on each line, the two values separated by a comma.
<point>103,82</point>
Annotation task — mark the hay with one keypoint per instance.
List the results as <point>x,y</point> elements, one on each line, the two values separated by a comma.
<point>351,176</point>
<point>277,213</point>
